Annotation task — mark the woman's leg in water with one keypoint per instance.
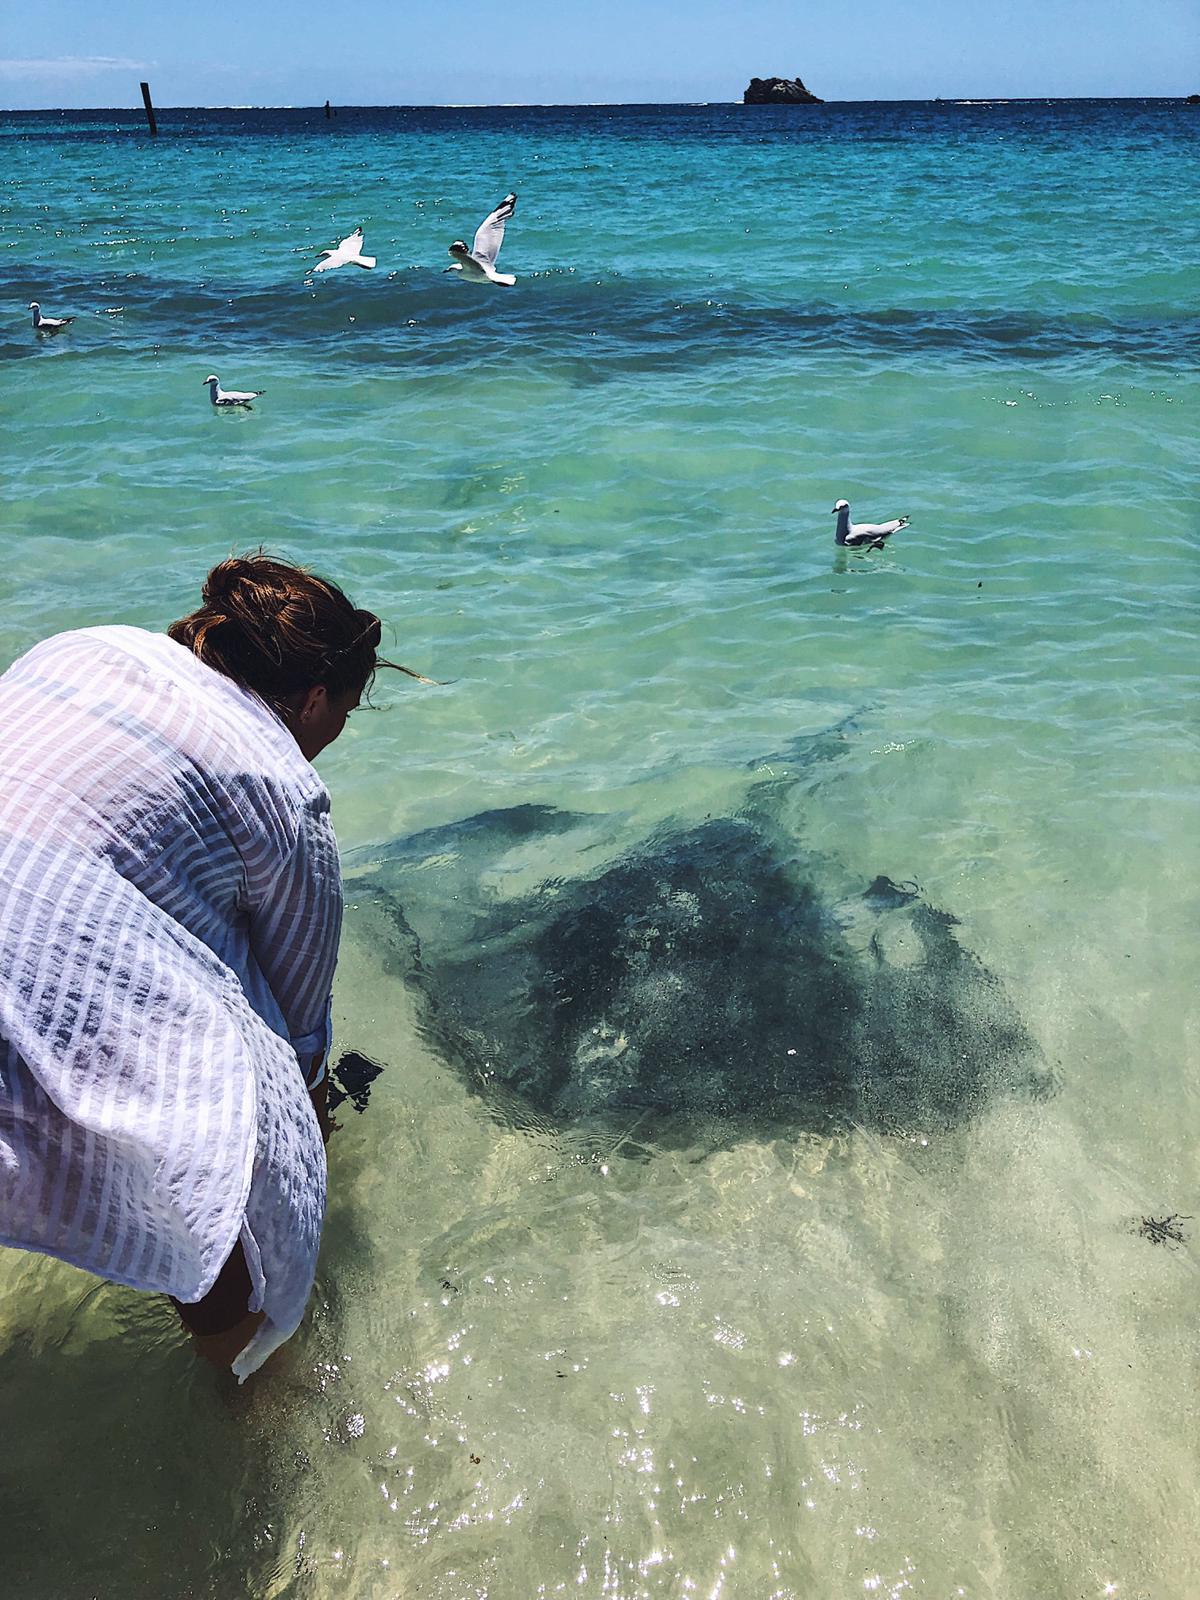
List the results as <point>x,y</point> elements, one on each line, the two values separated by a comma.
<point>220,1324</point>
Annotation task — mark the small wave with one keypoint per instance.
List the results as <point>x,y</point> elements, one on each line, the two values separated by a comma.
<point>638,327</point>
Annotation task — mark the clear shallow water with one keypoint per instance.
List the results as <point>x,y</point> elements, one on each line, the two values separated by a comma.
<point>791,1364</point>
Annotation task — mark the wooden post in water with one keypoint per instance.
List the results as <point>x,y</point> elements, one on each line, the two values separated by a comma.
<point>149,111</point>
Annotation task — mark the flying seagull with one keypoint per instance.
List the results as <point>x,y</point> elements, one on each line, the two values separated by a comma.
<point>348,254</point>
<point>47,324</point>
<point>478,264</point>
<point>230,397</point>
<point>859,534</point>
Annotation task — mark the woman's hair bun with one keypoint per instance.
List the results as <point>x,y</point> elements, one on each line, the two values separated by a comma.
<point>280,630</point>
<point>223,582</point>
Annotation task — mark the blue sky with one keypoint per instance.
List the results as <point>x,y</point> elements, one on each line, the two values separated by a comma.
<point>388,52</point>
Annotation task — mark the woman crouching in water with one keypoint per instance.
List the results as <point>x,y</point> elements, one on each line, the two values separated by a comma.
<point>170,909</point>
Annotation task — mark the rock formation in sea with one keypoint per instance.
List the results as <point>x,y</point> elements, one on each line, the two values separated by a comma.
<point>779,91</point>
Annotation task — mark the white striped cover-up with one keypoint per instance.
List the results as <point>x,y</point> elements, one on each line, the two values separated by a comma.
<point>170,907</point>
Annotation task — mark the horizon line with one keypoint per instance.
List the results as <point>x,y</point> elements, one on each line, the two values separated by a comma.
<point>595,105</point>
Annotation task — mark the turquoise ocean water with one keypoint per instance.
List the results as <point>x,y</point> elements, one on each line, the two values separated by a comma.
<point>547,1360</point>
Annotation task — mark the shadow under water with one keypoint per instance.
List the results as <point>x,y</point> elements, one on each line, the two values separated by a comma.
<point>711,971</point>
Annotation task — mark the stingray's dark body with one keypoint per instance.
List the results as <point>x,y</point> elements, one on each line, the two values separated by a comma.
<point>713,970</point>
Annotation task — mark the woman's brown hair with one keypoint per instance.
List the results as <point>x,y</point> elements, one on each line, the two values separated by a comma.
<point>279,630</point>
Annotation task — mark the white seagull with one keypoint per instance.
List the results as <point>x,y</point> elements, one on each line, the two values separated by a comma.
<point>478,264</point>
<point>348,254</point>
<point>863,533</point>
<point>47,324</point>
<point>230,397</point>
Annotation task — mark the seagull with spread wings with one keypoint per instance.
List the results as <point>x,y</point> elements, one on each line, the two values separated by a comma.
<point>348,254</point>
<point>478,264</point>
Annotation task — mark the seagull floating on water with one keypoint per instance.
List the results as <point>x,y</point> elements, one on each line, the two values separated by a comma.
<point>230,397</point>
<point>47,324</point>
<point>478,264</point>
<point>348,254</point>
<point>864,533</point>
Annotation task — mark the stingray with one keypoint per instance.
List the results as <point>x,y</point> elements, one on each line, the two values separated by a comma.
<point>711,968</point>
